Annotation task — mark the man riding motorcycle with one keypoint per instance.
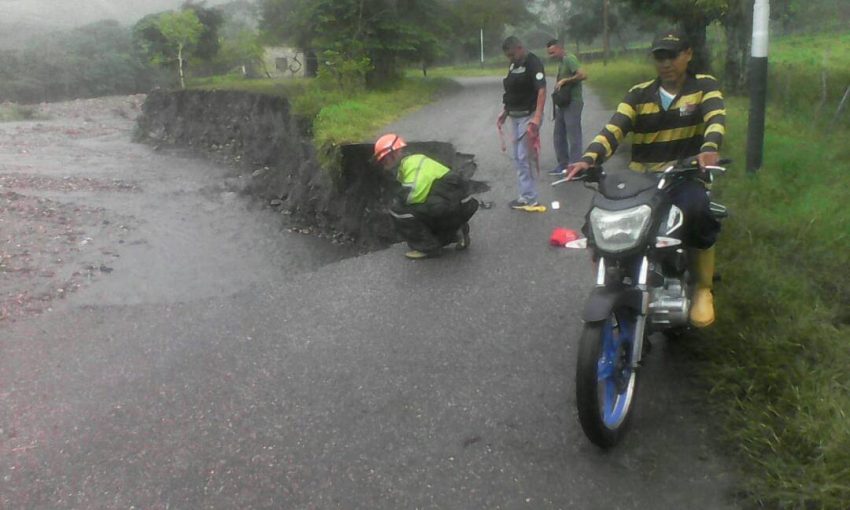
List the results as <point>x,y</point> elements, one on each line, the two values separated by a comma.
<point>677,116</point>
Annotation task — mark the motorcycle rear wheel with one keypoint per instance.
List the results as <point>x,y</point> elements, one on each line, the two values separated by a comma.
<point>605,379</point>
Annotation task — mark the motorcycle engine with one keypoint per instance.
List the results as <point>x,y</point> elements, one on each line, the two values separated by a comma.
<point>668,304</point>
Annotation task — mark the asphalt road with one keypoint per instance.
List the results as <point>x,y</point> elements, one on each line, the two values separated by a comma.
<point>372,382</point>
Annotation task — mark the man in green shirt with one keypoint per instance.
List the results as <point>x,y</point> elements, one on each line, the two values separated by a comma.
<point>567,114</point>
<point>433,206</point>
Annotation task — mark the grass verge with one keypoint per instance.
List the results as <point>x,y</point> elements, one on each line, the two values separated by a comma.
<point>777,360</point>
<point>340,117</point>
<point>12,112</point>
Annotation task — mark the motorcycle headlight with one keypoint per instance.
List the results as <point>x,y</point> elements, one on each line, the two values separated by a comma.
<point>616,231</point>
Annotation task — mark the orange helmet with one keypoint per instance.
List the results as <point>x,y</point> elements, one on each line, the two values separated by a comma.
<point>387,144</point>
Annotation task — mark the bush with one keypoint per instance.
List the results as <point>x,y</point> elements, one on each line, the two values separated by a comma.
<point>10,112</point>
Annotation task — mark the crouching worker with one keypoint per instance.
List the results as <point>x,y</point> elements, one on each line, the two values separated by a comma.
<point>433,207</point>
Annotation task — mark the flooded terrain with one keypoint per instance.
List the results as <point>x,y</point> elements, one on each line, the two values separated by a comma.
<point>80,203</point>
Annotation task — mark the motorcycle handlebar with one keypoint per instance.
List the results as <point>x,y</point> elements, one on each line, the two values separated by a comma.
<point>594,173</point>
<point>567,179</point>
<point>692,165</point>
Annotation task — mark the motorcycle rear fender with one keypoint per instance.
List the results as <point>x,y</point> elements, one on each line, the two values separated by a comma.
<point>604,300</point>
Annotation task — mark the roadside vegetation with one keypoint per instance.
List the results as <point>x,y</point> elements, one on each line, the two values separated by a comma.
<point>339,107</point>
<point>11,112</point>
<point>777,360</point>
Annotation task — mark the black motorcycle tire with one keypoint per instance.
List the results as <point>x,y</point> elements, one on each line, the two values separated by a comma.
<point>587,397</point>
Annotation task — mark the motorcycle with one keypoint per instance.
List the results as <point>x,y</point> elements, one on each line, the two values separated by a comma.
<point>643,285</point>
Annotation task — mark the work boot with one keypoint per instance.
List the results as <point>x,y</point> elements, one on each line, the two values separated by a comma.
<point>463,238</point>
<point>702,306</point>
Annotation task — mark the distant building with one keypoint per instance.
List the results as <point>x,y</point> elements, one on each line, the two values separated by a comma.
<point>283,62</point>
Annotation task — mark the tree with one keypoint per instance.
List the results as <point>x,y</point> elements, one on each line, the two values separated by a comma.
<point>212,19</point>
<point>244,50</point>
<point>738,25</point>
<point>554,14</point>
<point>471,16</point>
<point>150,40</point>
<point>89,61</point>
<point>181,30</point>
<point>693,16</point>
<point>383,31</point>
<point>584,21</point>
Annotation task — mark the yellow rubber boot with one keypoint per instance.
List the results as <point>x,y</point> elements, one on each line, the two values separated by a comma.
<point>702,307</point>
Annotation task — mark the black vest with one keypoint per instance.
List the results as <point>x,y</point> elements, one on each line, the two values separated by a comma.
<point>521,84</point>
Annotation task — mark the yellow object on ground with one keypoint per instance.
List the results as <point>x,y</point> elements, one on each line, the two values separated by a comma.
<point>533,208</point>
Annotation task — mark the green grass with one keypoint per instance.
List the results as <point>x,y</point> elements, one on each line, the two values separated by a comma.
<point>612,81</point>
<point>12,112</point>
<point>450,72</point>
<point>339,118</point>
<point>288,87</point>
<point>828,50</point>
<point>777,362</point>
<point>809,74</point>
<point>357,118</point>
<point>778,358</point>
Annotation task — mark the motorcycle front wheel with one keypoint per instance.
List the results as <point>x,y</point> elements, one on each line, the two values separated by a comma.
<point>605,379</point>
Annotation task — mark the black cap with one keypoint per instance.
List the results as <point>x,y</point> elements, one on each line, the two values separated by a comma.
<point>671,40</point>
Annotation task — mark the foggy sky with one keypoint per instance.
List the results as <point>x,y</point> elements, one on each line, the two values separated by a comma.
<point>70,13</point>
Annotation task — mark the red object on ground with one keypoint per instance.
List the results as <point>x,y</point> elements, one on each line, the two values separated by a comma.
<point>561,236</point>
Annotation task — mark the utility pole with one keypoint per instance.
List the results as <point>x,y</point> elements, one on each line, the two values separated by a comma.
<point>482,48</point>
<point>605,45</point>
<point>758,85</point>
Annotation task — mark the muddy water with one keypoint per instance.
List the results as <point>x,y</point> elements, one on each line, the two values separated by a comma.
<point>89,218</point>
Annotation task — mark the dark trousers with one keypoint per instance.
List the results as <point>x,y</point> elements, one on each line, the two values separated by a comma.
<point>426,228</point>
<point>701,227</point>
<point>567,136</point>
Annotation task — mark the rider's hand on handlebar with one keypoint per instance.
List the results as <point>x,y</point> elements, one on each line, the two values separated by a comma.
<point>706,159</point>
<point>576,169</point>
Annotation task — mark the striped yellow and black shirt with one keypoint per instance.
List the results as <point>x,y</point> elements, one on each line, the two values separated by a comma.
<point>693,123</point>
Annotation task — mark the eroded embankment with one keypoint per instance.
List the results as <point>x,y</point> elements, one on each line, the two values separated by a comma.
<point>273,150</point>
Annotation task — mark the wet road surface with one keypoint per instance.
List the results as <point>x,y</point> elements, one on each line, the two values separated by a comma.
<point>306,379</point>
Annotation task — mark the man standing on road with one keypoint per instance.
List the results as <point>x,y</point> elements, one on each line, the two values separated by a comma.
<point>433,207</point>
<point>677,116</point>
<point>567,105</point>
<point>524,99</point>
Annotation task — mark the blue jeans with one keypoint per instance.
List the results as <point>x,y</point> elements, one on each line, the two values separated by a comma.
<point>522,157</point>
<point>567,136</point>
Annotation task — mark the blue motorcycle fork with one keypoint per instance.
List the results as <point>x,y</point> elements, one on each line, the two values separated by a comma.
<point>621,330</point>
<point>613,370</point>
<point>640,274</point>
